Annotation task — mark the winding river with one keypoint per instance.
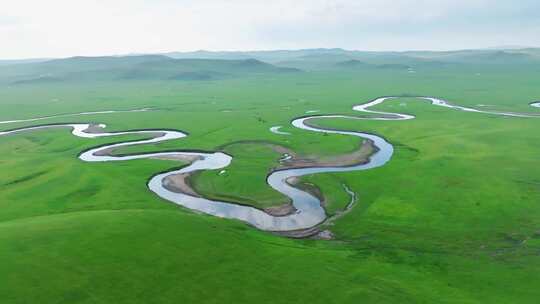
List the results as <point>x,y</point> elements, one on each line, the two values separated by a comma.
<point>276,130</point>
<point>309,212</point>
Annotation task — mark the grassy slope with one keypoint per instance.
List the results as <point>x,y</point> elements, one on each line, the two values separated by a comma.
<point>452,219</point>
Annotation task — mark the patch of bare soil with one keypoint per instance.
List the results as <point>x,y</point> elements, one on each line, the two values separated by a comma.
<point>179,183</point>
<point>308,187</point>
<point>109,151</point>
<point>300,234</point>
<point>359,156</point>
<point>177,157</point>
<point>94,129</point>
<point>293,160</point>
<point>281,210</point>
<point>314,233</point>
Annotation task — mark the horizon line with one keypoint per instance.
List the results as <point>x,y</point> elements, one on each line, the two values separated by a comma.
<point>504,47</point>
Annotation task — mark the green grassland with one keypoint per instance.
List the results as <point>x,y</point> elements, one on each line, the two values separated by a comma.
<point>453,218</point>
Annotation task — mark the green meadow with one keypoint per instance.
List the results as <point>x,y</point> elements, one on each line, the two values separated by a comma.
<point>454,217</point>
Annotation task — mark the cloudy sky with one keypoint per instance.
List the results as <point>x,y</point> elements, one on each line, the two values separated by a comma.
<point>60,28</point>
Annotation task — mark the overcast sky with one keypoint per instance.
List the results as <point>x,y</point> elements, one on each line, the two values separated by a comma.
<point>61,28</point>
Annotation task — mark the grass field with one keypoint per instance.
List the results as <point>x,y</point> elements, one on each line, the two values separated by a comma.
<point>453,218</point>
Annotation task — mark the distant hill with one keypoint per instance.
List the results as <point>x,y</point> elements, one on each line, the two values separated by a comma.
<point>497,57</point>
<point>266,56</point>
<point>37,80</point>
<point>509,47</point>
<point>332,58</point>
<point>21,61</point>
<point>317,59</point>
<point>196,76</point>
<point>485,57</point>
<point>208,55</point>
<point>143,67</point>
<point>207,65</point>
<point>352,63</point>
<point>393,66</point>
